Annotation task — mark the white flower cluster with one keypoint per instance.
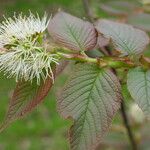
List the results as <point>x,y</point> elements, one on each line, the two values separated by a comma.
<point>21,27</point>
<point>25,55</point>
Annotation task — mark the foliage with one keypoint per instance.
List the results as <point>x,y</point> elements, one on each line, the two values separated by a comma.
<point>93,94</point>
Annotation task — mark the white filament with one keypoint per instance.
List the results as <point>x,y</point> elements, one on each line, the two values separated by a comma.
<point>21,27</point>
<point>26,58</point>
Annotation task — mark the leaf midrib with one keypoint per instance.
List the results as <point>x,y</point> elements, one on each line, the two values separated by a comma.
<point>117,35</point>
<point>26,98</point>
<point>87,104</point>
<point>76,40</point>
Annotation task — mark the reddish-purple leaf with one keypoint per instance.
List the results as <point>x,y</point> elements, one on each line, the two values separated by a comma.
<point>126,39</point>
<point>25,98</point>
<point>62,65</point>
<point>91,97</point>
<point>72,32</point>
<point>102,41</point>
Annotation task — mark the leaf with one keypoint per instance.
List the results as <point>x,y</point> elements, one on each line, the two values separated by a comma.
<point>102,41</point>
<point>141,20</point>
<point>62,65</point>
<point>72,32</point>
<point>25,98</point>
<point>126,39</point>
<point>117,7</point>
<point>95,53</point>
<point>91,97</point>
<point>138,82</point>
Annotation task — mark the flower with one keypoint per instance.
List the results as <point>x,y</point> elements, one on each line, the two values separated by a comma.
<point>25,54</point>
<point>21,27</point>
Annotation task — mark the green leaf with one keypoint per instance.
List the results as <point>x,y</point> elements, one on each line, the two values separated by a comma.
<point>25,98</point>
<point>141,20</point>
<point>126,39</point>
<point>72,32</point>
<point>138,82</point>
<point>91,97</point>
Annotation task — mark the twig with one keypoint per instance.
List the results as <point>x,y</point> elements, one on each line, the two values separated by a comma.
<point>128,128</point>
<point>124,116</point>
<point>88,11</point>
<point>106,61</point>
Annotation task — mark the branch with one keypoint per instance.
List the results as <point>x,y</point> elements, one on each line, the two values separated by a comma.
<point>107,61</point>
<point>126,123</point>
<point>88,10</point>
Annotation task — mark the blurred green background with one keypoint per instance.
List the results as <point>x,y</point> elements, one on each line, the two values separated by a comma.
<point>44,129</point>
